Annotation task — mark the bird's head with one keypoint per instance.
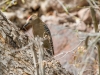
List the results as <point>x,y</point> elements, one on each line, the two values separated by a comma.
<point>30,20</point>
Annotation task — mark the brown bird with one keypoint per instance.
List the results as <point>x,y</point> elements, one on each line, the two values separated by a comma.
<point>40,29</point>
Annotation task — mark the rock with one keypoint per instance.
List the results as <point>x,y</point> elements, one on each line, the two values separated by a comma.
<point>85,15</point>
<point>55,5</point>
<point>65,41</point>
<point>81,26</point>
<point>55,19</point>
<point>63,38</point>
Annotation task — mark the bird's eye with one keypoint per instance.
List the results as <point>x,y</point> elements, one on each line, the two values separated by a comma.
<point>30,18</point>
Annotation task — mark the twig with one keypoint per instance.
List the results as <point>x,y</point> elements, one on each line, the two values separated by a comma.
<point>63,6</point>
<point>35,59</point>
<point>86,59</point>
<point>95,22</point>
<point>41,57</point>
<point>93,13</point>
<point>4,17</point>
<point>64,54</point>
<point>3,2</point>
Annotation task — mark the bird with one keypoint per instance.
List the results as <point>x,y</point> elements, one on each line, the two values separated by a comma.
<point>41,29</point>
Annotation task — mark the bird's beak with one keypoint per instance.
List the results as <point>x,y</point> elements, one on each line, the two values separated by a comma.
<point>25,25</point>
